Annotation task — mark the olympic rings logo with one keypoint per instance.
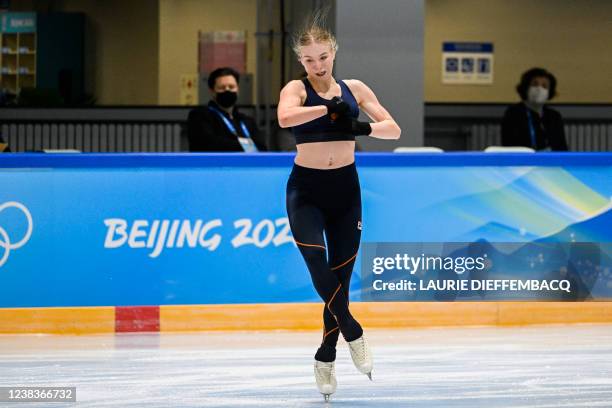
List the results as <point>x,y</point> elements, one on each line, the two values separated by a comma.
<point>5,241</point>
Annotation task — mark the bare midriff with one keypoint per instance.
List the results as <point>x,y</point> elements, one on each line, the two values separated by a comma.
<point>325,155</point>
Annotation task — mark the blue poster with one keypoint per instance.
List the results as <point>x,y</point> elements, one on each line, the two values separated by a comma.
<point>180,229</point>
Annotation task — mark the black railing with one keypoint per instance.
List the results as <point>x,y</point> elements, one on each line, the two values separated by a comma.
<point>162,129</point>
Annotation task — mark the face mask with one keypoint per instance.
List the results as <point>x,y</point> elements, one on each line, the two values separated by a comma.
<point>537,94</point>
<point>226,99</point>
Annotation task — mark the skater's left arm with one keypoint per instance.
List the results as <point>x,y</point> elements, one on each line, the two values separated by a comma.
<point>384,126</point>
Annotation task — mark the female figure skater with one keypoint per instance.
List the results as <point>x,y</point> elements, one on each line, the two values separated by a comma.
<point>323,193</point>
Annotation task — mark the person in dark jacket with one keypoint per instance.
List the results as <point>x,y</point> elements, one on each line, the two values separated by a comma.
<point>531,123</point>
<point>219,126</point>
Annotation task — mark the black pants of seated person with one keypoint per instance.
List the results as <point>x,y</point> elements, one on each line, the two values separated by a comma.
<point>328,203</point>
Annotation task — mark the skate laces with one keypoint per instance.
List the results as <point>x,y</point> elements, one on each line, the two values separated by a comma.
<point>363,350</point>
<point>325,376</point>
<point>325,371</point>
<point>359,348</point>
<point>362,357</point>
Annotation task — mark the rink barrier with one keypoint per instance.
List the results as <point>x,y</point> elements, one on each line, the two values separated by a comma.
<point>136,319</point>
<point>294,316</point>
<point>285,160</point>
<point>235,313</point>
<point>58,320</point>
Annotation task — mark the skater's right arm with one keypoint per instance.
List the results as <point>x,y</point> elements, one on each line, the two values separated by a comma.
<point>290,110</point>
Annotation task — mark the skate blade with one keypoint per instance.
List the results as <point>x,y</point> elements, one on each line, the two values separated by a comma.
<point>369,375</point>
<point>326,396</point>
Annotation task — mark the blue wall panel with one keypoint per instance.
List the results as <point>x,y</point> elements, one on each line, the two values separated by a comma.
<point>206,229</point>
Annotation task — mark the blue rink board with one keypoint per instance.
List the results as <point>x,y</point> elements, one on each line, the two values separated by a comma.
<point>83,230</point>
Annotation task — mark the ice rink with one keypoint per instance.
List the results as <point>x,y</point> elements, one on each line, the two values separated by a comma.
<point>543,366</point>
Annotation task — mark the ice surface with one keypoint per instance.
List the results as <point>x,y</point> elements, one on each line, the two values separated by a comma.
<point>544,366</point>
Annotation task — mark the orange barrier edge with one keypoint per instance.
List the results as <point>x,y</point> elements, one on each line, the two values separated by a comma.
<point>307,316</point>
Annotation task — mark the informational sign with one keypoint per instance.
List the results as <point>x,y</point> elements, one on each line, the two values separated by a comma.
<point>467,63</point>
<point>18,23</point>
<point>189,89</point>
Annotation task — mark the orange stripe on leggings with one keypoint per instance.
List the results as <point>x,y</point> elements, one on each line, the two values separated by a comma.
<point>332,298</point>
<point>342,264</point>
<point>329,332</point>
<point>310,245</point>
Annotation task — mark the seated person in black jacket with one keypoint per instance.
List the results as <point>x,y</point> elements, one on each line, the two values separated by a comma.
<point>220,127</point>
<point>531,123</point>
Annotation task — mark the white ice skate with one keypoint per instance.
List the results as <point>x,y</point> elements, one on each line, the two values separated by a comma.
<point>362,357</point>
<point>325,374</point>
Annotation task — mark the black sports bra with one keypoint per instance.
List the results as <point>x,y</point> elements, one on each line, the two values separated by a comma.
<point>323,129</point>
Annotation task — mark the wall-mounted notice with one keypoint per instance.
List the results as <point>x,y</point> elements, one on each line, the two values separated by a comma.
<point>18,22</point>
<point>188,91</point>
<point>467,63</point>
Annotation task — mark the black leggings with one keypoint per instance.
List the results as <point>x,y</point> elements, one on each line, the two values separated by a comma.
<point>328,202</point>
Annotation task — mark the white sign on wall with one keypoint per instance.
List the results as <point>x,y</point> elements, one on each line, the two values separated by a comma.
<point>188,91</point>
<point>467,63</point>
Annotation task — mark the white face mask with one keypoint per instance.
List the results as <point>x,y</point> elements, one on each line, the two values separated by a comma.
<point>537,94</point>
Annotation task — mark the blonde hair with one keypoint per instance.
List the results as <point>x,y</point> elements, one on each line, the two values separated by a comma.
<point>314,30</point>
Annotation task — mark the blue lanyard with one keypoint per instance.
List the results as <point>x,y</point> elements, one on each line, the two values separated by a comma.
<point>230,125</point>
<point>531,129</point>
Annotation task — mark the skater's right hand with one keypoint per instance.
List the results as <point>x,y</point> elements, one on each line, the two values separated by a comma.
<point>337,108</point>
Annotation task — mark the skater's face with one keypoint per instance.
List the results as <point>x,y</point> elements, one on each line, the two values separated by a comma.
<point>317,58</point>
